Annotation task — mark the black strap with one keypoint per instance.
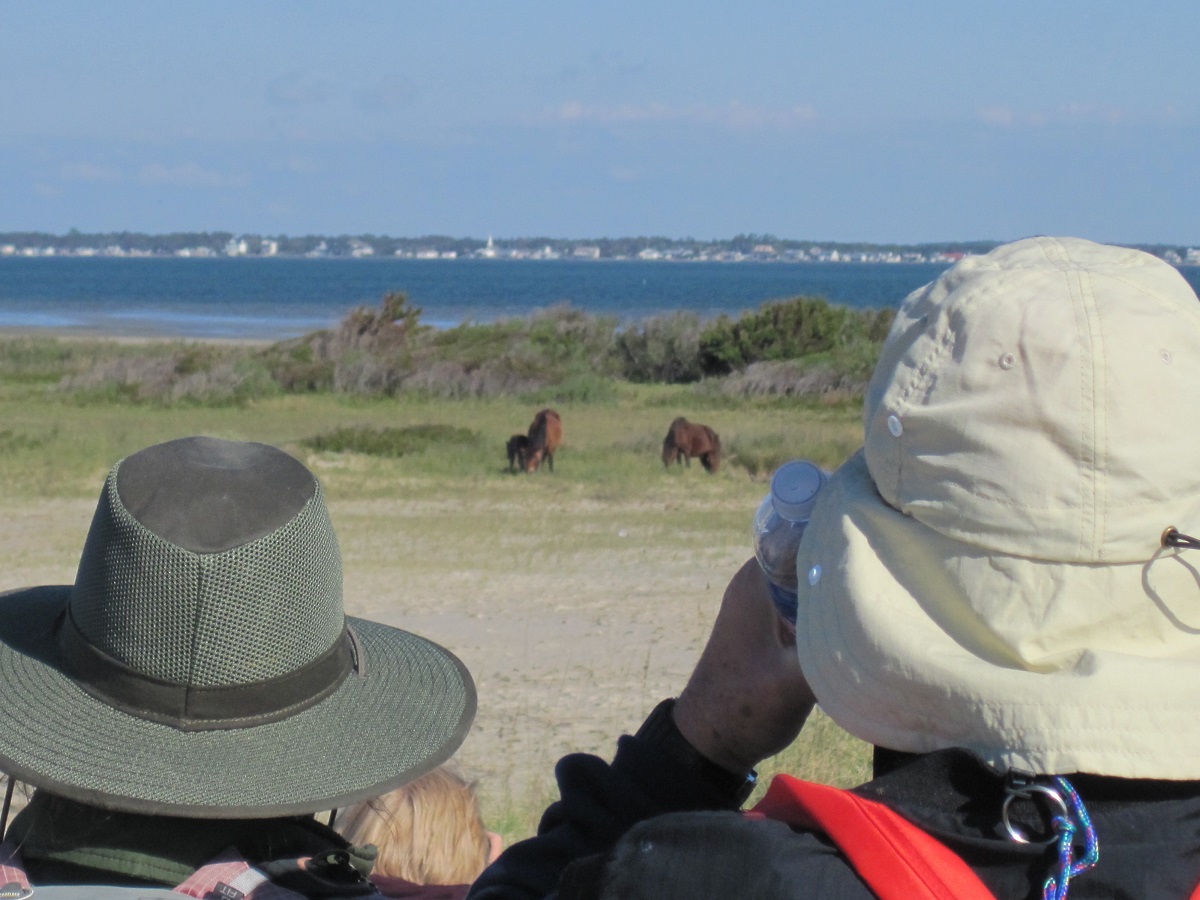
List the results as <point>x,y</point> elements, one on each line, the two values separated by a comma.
<point>325,875</point>
<point>8,795</point>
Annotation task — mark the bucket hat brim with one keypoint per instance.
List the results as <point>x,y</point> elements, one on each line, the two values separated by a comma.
<point>910,640</point>
<point>404,711</point>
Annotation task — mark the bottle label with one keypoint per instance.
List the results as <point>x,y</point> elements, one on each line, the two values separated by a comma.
<point>786,602</point>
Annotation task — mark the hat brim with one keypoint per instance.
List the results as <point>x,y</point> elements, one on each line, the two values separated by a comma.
<point>919,642</point>
<point>402,714</point>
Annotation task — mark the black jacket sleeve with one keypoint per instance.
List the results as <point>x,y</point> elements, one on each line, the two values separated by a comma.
<point>598,802</point>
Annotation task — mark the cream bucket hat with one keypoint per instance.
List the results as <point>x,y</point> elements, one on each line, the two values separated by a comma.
<point>989,572</point>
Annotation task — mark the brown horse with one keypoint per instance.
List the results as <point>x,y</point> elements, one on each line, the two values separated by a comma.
<point>515,448</point>
<point>545,435</point>
<point>687,439</point>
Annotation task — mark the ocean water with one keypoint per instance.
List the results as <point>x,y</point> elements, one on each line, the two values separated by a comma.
<point>279,298</point>
<point>273,299</point>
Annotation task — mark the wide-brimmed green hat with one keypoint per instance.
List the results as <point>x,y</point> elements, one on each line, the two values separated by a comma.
<point>202,664</point>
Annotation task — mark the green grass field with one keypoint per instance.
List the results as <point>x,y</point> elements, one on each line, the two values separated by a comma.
<point>577,598</point>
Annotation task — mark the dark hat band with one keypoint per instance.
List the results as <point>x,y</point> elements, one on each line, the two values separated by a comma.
<point>192,708</point>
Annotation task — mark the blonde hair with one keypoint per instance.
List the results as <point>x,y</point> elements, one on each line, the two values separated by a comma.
<point>428,832</point>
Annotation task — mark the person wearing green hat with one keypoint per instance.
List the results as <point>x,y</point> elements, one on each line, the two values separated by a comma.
<point>198,694</point>
<point>1000,592</point>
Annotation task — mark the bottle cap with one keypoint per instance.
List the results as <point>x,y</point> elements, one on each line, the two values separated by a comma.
<point>794,488</point>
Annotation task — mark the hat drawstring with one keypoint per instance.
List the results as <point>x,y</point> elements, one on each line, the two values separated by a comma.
<point>1173,537</point>
<point>8,795</point>
<point>1071,819</point>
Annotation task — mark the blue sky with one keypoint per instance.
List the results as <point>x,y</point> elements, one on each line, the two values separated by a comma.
<point>876,121</point>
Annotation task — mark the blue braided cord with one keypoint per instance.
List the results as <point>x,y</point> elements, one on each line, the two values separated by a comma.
<point>1057,885</point>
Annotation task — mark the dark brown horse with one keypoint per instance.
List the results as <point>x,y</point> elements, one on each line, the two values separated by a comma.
<point>515,448</point>
<point>545,435</point>
<point>687,439</point>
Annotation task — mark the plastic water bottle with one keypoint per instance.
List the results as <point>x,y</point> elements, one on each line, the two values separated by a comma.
<point>778,526</point>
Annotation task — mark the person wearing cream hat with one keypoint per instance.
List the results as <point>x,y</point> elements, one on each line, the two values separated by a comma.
<point>1000,591</point>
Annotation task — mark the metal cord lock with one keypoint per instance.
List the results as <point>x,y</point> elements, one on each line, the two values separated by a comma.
<point>1173,537</point>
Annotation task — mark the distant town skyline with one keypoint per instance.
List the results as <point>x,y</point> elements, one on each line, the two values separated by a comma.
<point>741,248</point>
<point>863,121</point>
<point>757,248</point>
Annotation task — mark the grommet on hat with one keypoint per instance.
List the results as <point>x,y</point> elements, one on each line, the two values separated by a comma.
<point>994,573</point>
<point>202,664</point>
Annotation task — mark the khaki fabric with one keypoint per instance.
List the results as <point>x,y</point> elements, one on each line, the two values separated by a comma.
<point>988,571</point>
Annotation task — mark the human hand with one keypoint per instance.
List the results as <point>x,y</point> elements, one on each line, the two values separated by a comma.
<point>747,698</point>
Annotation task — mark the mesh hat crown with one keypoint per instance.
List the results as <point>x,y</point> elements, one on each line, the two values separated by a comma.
<point>203,652</point>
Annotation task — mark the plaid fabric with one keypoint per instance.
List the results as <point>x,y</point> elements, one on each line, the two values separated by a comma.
<point>229,877</point>
<point>13,880</point>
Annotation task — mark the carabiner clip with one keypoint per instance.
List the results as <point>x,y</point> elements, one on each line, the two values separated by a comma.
<point>1019,788</point>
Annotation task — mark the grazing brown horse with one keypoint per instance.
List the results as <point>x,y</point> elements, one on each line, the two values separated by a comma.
<point>515,448</point>
<point>687,439</point>
<point>545,434</point>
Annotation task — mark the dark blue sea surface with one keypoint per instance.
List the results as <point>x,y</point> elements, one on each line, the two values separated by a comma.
<point>272,299</point>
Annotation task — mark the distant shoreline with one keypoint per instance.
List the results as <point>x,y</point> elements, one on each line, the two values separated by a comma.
<point>229,300</point>
<point>84,334</point>
<point>741,248</point>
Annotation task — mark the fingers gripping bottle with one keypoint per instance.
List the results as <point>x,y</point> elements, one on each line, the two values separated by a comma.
<point>778,526</point>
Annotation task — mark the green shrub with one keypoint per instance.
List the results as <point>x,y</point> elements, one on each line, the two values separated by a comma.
<point>474,345</point>
<point>561,337</point>
<point>195,358</point>
<point>394,325</point>
<point>557,354</point>
<point>171,374</point>
<point>295,366</point>
<point>392,442</point>
<point>661,349</point>
<point>791,329</point>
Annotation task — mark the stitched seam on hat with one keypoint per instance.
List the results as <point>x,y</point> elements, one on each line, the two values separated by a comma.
<point>1073,281</point>
<point>195,648</point>
<point>1057,255</point>
<point>1093,439</point>
<point>920,376</point>
<point>1170,300</point>
<point>1054,252</point>
<point>139,655</point>
<point>1000,500</point>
